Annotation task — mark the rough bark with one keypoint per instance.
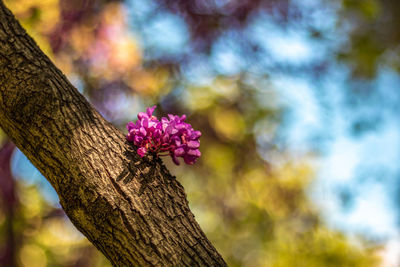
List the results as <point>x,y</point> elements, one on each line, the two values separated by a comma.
<point>131,209</point>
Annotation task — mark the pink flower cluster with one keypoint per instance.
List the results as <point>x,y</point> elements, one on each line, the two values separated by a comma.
<point>168,136</point>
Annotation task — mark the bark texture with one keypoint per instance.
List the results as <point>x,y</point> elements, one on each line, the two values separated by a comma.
<point>131,209</point>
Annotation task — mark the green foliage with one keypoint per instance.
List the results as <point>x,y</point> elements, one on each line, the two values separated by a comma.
<point>372,31</point>
<point>44,236</point>
<point>262,217</point>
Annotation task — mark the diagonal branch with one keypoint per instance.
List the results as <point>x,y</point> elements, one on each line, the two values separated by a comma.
<point>144,221</point>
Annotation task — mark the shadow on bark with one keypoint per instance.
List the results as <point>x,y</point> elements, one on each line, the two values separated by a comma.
<point>145,170</point>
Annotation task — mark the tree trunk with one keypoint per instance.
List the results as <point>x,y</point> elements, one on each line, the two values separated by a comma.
<point>131,209</point>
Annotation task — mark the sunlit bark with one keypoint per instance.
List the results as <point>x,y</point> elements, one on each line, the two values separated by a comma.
<point>131,209</point>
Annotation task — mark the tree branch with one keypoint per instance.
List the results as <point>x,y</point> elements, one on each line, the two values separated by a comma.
<point>140,219</point>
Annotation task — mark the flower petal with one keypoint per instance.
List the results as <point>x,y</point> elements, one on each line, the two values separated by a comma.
<point>130,137</point>
<point>179,152</point>
<point>180,126</point>
<point>150,110</point>
<point>142,151</point>
<point>137,139</point>
<point>195,134</point>
<point>130,126</point>
<point>171,117</point>
<point>193,144</point>
<point>145,122</point>
<point>189,159</point>
<point>143,131</point>
<point>175,160</point>
<point>194,152</point>
<point>177,141</point>
<point>142,115</point>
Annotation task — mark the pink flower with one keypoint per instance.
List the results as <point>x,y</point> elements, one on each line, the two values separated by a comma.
<point>170,136</point>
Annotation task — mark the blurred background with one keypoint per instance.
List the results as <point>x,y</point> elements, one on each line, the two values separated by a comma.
<point>298,102</point>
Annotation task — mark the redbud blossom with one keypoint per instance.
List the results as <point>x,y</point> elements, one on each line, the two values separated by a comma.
<point>170,136</point>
